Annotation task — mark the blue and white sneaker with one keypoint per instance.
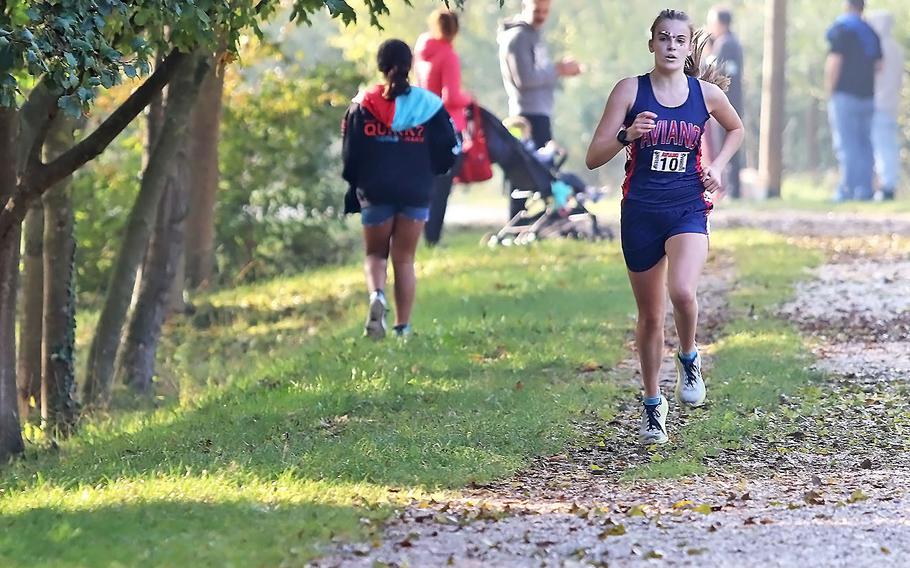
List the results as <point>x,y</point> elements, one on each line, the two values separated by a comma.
<point>375,326</point>
<point>403,331</point>
<point>690,385</point>
<point>653,428</point>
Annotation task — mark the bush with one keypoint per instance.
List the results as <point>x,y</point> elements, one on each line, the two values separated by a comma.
<point>280,199</point>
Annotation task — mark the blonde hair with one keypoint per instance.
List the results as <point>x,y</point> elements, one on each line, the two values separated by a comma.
<point>443,23</point>
<point>693,67</point>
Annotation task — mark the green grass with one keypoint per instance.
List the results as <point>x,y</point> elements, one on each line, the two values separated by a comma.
<point>804,192</point>
<point>279,428</point>
<point>758,358</point>
<point>285,442</point>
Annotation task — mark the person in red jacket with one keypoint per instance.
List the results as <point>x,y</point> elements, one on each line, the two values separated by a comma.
<point>438,69</point>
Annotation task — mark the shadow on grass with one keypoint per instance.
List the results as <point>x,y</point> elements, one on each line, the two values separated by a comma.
<point>470,398</point>
<point>175,533</point>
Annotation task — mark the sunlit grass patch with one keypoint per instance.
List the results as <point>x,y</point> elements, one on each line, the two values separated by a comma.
<point>287,419</point>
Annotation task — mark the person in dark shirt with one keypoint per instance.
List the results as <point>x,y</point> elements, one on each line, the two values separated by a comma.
<point>728,54</point>
<point>396,139</point>
<point>854,56</point>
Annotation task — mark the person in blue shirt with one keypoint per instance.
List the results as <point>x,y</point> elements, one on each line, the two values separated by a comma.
<point>659,119</point>
<point>854,56</point>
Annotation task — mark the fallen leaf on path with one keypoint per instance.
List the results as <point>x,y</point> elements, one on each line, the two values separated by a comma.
<point>614,530</point>
<point>857,496</point>
<point>813,498</point>
<point>636,511</point>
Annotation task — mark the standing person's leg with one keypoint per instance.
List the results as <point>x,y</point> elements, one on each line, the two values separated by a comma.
<point>541,129</point>
<point>438,205</point>
<point>852,144</point>
<point>838,120</point>
<point>886,146</point>
<point>866,155</point>
<point>405,237</point>
<point>377,233</point>
<point>439,202</point>
<point>541,133</point>
<point>734,189</point>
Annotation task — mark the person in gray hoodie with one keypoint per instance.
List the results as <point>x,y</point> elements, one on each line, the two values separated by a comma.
<point>528,73</point>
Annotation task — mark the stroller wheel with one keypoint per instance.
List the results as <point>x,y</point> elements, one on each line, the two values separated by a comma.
<point>489,239</point>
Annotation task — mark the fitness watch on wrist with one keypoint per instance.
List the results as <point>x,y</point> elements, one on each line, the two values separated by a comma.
<point>621,136</point>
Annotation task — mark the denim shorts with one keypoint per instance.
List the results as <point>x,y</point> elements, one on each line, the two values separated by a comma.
<point>379,213</point>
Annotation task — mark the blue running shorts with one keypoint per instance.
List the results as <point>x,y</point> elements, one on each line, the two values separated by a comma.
<point>644,229</point>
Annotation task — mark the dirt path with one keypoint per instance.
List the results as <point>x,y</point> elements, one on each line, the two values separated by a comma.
<point>830,491</point>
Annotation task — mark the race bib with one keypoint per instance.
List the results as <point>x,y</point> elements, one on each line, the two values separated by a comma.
<point>673,162</point>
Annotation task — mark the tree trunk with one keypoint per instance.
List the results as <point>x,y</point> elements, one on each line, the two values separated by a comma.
<point>770,154</point>
<point>58,407</point>
<point>10,430</point>
<point>29,369</point>
<point>136,363</point>
<point>204,173</point>
<point>181,96</point>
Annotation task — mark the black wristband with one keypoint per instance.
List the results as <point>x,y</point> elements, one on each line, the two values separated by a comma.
<point>621,137</point>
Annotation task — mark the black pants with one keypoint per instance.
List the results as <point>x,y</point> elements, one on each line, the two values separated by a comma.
<point>541,133</point>
<point>439,201</point>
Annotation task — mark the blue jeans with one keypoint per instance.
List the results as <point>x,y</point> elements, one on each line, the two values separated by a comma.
<point>851,132</point>
<point>887,150</point>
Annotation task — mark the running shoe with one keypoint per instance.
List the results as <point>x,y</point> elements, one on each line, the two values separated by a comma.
<point>653,428</point>
<point>690,386</point>
<point>403,330</point>
<point>375,327</point>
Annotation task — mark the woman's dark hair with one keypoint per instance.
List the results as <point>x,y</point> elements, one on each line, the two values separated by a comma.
<point>709,73</point>
<point>443,23</point>
<point>394,61</point>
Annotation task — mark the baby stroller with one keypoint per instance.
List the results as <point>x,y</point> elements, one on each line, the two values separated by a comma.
<point>555,201</point>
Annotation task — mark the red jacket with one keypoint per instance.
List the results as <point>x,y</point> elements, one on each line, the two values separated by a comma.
<point>438,70</point>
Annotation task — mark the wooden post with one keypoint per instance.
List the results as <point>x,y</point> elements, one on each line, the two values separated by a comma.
<point>771,134</point>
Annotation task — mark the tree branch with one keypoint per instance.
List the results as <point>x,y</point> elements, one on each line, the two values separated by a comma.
<point>43,176</point>
<point>38,111</point>
<point>96,142</point>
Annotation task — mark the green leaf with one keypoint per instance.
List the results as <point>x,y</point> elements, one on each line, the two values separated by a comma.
<point>71,105</point>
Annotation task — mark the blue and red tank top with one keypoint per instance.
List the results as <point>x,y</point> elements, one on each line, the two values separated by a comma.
<point>664,167</point>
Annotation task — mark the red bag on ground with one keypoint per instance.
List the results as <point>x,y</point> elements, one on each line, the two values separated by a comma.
<point>475,164</point>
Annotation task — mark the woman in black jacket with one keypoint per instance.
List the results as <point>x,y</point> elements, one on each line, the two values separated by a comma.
<point>397,138</point>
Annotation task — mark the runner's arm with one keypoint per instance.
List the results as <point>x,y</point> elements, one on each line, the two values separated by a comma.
<point>604,145</point>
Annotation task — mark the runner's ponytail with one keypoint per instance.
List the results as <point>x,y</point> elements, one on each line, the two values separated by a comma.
<point>394,61</point>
